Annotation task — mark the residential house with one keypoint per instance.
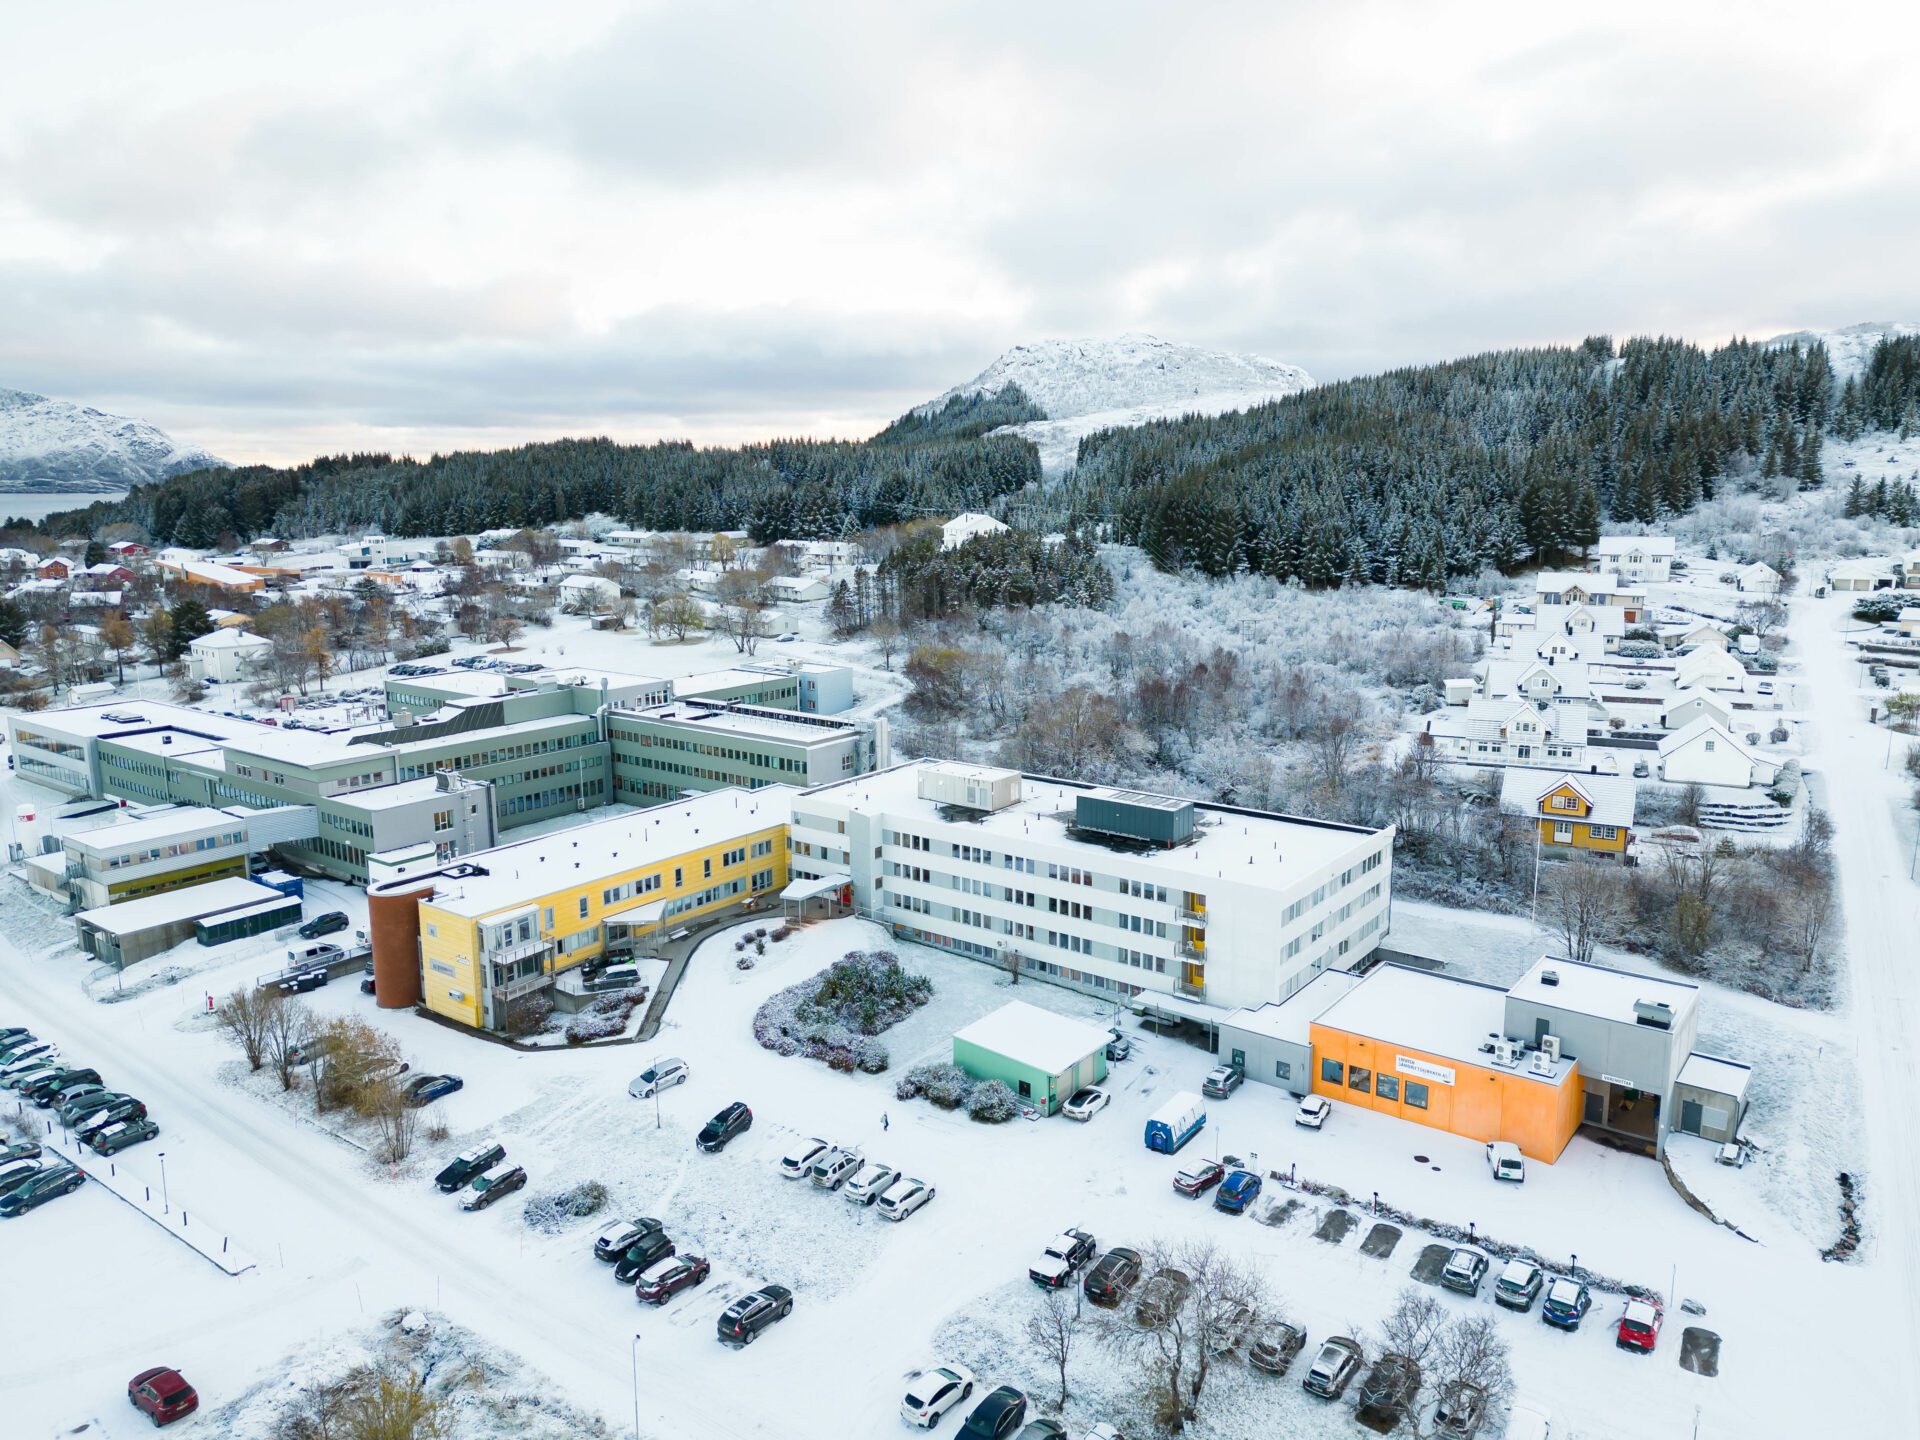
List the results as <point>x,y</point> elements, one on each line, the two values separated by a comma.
<point>126,550</point>
<point>1704,633</point>
<point>54,567</point>
<point>1514,732</point>
<point>1704,753</point>
<point>105,576</point>
<point>1708,667</point>
<point>1591,587</point>
<point>1908,625</point>
<point>800,589</point>
<point>1688,706</point>
<point>1592,814</point>
<point>962,528</point>
<point>1641,559</point>
<point>585,594</point>
<point>1758,578</point>
<point>1863,574</point>
<point>225,656</point>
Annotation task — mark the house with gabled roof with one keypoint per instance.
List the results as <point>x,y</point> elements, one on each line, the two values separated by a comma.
<point>1592,814</point>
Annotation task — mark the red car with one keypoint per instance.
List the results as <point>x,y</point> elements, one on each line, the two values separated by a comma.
<point>163,1395</point>
<point>1639,1327</point>
<point>664,1279</point>
<point>1199,1177</point>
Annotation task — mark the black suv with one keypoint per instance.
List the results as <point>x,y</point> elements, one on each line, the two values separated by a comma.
<point>743,1320</point>
<point>324,925</point>
<point>462,1169</point>
<point>997,1416</point>
<point>1115,1273</point>
<point>736,1119</point>
<point>46,1090</point>
<point>643,1252</point>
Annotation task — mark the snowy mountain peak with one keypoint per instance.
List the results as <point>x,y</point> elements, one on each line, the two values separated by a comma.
<point>57,445</point>
<point>1851,348</point>
<point>1089,385</point>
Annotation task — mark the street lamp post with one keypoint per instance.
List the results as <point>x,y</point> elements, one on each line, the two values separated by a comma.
<point>656,1102</point>
<point>633,1351</point>
<point>165,1202</point>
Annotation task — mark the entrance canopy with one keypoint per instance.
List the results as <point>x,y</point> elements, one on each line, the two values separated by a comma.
<point>808,889</point>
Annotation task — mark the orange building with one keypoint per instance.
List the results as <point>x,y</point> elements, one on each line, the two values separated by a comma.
<point>1589,813</point>
<point>1433,1050</point>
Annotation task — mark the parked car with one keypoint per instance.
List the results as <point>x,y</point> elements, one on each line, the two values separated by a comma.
<point>742,1321</point>
<point>493,1186</point>
<point>1199,1177</point>
<point>903,1197</point>
<point>1163,1294</point>
<point>1119,1048</point>
<point>48,1183</point>
<point>1226,1335</point>
<point>661,1075</point>
<point>621,1236</point>
<point>1566,1304</point>
<point>44,1090</point>
<point>1390,1387</point>
<point>649,1250</point>
<point>1463,1405</point>
<point>870,1184</point>
<point>117,1137</point>
<point>932,1393</point>
<point>1237,1192</point>
<point>1506,1162</point>
<point>85,1103</point>
<point>1639,1328</point>
<point>1275,1347</point>
<point>1042,1429</point>
<point>16,1056</point>
<point>1222,1081</point>
<point>18,1172</point>
<point>1112,1276</point>
<point>736,1119</point>
<point>1466,1267</point>
<point>1085,1103</point>
<point>1063,1255</point>
<point>11,1035</point>
<point>162,1394</point>
<point>835,1168</point>
<point>468,1163</point>
<point>664,1279</point>
<point>997,1415</point>
<point>425,1089</point>
<point>324,924</point>
<point>124,1109</point>
<point>19,1150</point>
<point>1333,1369</point>
<point>797,1163</point>
<point>1519,1285</point>
<point>29,1067</point>
<point>1312,1112</point>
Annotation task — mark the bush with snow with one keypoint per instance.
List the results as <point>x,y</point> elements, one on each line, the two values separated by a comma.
<point>992,1103</point>
<point>945,1084</point>
<point>550,1214</point>
<point>835,1015</point>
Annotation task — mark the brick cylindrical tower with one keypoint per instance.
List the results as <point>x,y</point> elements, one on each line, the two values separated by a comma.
<point>393,924</point>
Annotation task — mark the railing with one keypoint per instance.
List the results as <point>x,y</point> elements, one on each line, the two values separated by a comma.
<point>1192,951</point>
<point>1191,917</point>
<point>1190,989</point>
<point>525,985</point>
<point>508,954</point>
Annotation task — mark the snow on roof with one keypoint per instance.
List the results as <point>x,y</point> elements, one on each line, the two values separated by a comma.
<point>1594,582</point>
<point>1437,1014</point>
<point>516,874</point>
<point>124,717</point>
<point>1610,797</point>
<point>789,726</point>
<point>1706,727</point>
<point>1601,991</point>
<point>1691,694</point>
<point>1722,1077</point>
<point>1624,544</point>
<point>1290,1019</point>
<point>1031,1036</point>
<point>157,825</point>
<point>171,907</point>
<point>229,639</point>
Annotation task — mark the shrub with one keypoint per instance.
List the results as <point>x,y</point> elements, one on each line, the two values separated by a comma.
<point>837,1012</point>
<point>588,1026</point>
<point>528,1015</point>
<point>870,1055</point>
<point>945,1084</point>
<point>780,934</point>
<point>550,1214</point>
<point>992,1103</point>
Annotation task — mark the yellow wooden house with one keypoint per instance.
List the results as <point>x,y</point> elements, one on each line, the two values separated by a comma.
<point>1588,813</point>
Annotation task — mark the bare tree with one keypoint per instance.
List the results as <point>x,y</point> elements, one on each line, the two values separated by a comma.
<point>1052,1330</point>
<point>1584,903</point>
<point>886,636</point>
<point>245,1015</point>
<point>1186,1324</point>
<point>675,614</point>
<point>1809,910</point>
<point>744,623</point>
<point>1447,1353</point>
<point>386,1104</point>
<point>288,1028</point>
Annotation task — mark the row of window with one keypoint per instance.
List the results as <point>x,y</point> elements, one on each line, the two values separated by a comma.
<point>556,795</point>
<point>499,755</point>
<point>1332,887</point>
<point>787,764</point>
<point>1358,1077</point>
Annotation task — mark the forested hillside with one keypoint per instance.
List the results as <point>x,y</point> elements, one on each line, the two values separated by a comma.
<point>1425,473</point>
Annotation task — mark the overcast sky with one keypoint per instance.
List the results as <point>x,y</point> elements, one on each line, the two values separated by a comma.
<point>279,229</point>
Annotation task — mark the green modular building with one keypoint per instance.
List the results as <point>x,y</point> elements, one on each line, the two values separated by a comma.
<point>1042,1057</point>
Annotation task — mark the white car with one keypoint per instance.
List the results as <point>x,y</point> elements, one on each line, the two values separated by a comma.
<point>797,1163</point>
<point>661,1075</point>
<point>1086,1103</point>
<point>832,1170</point>
<point>932,1393</point>
<point>1313,1112</point>
<point>870,1184</point>
<point>904,1196</point>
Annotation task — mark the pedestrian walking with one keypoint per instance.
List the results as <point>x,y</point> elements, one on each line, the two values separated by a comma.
<point>883,1122</point>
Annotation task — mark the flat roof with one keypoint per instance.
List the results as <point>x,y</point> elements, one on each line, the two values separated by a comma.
<point>122,716</point>
<point>1601,990</point>
<point>721,679</point>
<point>155,825</point>
<point>165,742</point>
<point>305,747</point>
<point>1435,1014</point>
<point>1028,1035</point>
<point>1291,1019</point>
<point>509,876</point>
<point>1710,1072</point>
<point>401,792</point>
<point>745,721</point>
<point>1232,843</point>
<point>171,907</point>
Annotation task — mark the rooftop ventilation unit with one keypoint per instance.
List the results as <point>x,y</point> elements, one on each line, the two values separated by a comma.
<point>1135,815</point>
<point>1549,977</point>
<point>1655,1014</point>
<point>970,787</point>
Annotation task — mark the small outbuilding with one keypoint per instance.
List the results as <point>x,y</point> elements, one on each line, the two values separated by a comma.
<point>1042,1057</point>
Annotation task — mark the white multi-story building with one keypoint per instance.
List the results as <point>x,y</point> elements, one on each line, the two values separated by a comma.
<point>1104,890</point>
<point>1638,559</point>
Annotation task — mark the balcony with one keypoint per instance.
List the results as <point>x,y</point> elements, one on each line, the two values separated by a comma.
<point>1192,951</point>
<point>1192,989</point>
<point>1190,917</point>
<point>509,990</point>
<point>513,954</point>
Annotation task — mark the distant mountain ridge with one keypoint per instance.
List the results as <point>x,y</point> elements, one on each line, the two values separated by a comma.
<point>56,445</point>
<point>1849,349</point>
<point>1089,385</point>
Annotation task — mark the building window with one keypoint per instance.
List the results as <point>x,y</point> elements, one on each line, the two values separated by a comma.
<point>1331,1072</point>
<point>1360,1078</point>
<point>1387,1087</point>
<point>1282,1070</point>
<point>1416,1095</point>
<point>583,907</point>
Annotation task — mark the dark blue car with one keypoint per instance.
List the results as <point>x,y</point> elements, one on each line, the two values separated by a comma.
<point>424,1089</point>
<point>1236,1192</point>
<point>1565,1304</point>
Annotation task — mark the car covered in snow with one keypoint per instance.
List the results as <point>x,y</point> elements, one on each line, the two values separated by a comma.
<point>835,1168</point>
<point>1566,1304</point>
<point>19,1150</point>
<point>1461,1409</point>
<point>117,1137</point>
<point>1198,1178</point>
<point>1042,1429</point>
<point>869,1184</point>
<point>1519,1285</point>
<point>1333,1369</point>
<point>1466,1267</point>
<point>1222,1081</point>
<point>664,1279</point>
<point>797,1163</point>
<point>742,1321</point>
<point>1237,1192</point>
<point>1639,1328</point>
<point>1274,1348</point>
<point>49,1182</point>
<point>1085,1103</point>
<point>736,1119</point>
<point>1390,1387</point>
<point>641,1256</point>
<point>1112,1276</point>
<point>1312,1112</point>
<point>125,1108</point>
<point>621,1236</point>
<point>903,1197</point>
<point>661,1075</point>
<point>162,1394</point>
<point>1064,1254</point>
<point>1230,1329</point>
<point>467,1164</point>
<point>1162,1296</point>
<point>933,1392</point>
<point>493,1186</point>
<point>18,1172</point>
